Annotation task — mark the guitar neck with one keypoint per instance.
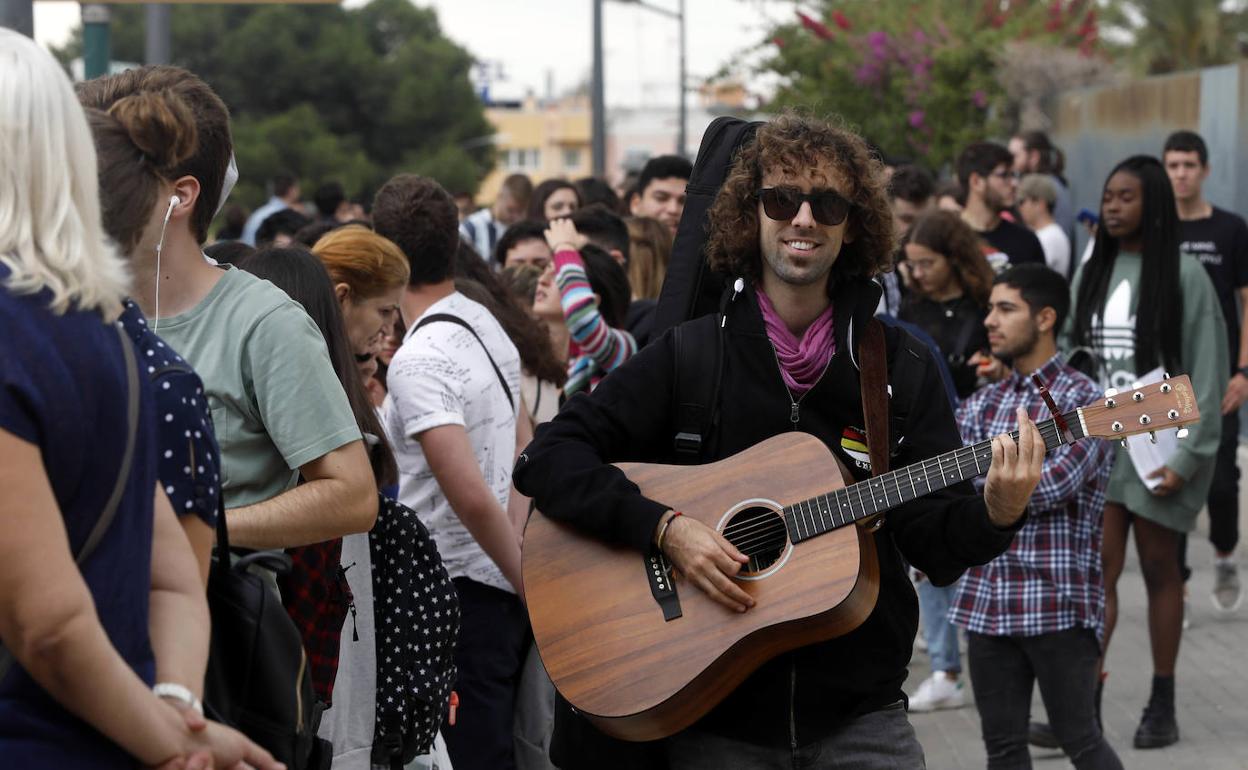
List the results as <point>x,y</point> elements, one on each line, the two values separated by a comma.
<point>823,513</point>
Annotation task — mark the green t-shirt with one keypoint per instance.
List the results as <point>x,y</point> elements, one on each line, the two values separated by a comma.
<point>1204,357</point>
<point>276,402</point>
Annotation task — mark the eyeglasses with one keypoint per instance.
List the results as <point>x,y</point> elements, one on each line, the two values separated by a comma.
<point>1008,175</point>
<point>783,203</point>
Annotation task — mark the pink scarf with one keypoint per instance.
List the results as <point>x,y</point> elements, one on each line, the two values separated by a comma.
<point>802,361</point>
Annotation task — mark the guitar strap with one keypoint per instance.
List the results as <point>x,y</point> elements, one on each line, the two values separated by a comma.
<point>873,379</point>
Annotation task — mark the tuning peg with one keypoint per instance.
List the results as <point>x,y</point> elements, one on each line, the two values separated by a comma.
<point>1152,436</point>
<point>1124,444</point>
<point>1110,393</point>
<point>1165,376</point>
<point>1182,433</point>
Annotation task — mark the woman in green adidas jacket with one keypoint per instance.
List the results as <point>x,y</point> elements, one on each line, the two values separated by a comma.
<point>1139,305</point>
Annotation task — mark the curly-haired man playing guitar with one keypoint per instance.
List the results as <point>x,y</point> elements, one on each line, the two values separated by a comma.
<point>803,218</point>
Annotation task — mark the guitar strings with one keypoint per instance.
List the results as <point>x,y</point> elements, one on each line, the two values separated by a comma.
<point>770,531</point>
<point>889,483</point>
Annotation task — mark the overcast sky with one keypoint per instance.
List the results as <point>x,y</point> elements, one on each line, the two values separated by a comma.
<point>535,37</point>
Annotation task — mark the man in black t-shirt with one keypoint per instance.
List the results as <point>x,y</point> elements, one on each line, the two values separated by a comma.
<point>985,172</point>
<point>1219,239</point>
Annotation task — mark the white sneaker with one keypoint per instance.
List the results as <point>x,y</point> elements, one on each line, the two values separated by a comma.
<point>1226,592</point>
<point>938,691</point>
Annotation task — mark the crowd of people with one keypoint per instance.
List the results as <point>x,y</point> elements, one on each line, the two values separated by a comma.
<point>359,388</point>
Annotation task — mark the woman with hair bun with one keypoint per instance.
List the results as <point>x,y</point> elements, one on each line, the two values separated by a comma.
<point>138,140</point>
<point>103,618</point>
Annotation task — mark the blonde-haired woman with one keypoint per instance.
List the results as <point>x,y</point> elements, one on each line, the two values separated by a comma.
<point>650,247</point>
<point>83,643</point>
<point>369,274</point>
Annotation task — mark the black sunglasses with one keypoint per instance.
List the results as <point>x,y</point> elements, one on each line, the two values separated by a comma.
<point>783,203</point>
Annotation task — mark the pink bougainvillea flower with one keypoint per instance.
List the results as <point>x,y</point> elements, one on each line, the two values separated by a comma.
<point>916,118</point>
<point>841,20</point>
<point>819,29</point>
<point>979,99</point>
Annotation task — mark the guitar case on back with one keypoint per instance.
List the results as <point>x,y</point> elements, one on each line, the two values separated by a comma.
<point>690,288</point>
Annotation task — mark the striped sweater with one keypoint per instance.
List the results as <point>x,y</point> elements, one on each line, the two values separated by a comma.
<point>595,348</point>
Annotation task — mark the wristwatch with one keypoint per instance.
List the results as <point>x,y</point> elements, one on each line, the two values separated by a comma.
<point>1242,370</point>
<point>179,693</point>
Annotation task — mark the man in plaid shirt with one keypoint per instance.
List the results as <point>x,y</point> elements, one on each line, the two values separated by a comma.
<point>1036,613</point>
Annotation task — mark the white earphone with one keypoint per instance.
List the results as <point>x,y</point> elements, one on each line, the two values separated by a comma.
<point>173,201</point>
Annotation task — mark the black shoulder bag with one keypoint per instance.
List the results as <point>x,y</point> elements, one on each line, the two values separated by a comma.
<point>448,318</point>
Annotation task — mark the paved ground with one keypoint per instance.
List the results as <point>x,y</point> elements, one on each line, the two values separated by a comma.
<point>1212,682</point>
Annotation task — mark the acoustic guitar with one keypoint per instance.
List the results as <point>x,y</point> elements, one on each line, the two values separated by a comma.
<point>643,653</point>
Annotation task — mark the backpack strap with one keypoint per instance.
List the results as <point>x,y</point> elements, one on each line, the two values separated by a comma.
<point>448,318</point>
<point>123,474</point>
<point>127,459</point>
<point>873,379</point>
<point>696,375</point>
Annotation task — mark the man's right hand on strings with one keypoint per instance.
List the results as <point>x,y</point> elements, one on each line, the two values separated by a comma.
<point>706,559</point>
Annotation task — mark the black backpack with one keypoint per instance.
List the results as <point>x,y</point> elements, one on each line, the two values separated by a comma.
<point>416,611</point>
<point>258,679</point>
<point>690,289</point>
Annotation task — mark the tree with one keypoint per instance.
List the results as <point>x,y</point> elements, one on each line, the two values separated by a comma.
<point>1166,36</point>
<point>917,78</point>
<point>355,95</point>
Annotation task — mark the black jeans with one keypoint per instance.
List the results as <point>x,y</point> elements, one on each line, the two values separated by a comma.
<point>493,639</point>
<point>1003,670</point>
<point>878,740</point>
<point>1223,495</point>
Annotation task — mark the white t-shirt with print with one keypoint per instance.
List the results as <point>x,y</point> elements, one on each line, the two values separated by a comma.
<point>440,376</point>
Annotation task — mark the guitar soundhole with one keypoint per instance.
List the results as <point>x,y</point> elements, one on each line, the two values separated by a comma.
<point>760,534</point>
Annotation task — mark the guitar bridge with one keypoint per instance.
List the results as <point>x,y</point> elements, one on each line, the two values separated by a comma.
<point>662,586</point>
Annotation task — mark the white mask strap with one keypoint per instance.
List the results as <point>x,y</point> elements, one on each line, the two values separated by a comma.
<point>227,185</point>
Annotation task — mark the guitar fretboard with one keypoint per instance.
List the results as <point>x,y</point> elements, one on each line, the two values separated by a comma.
<point>823,513</point>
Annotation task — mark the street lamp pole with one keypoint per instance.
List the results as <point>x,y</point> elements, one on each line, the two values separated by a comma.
<point>597,106</point>
<point>679,16</point>
<point>18,15</point>
<point>596,87</point>
<point>158,44</point>
<point>681,146</point>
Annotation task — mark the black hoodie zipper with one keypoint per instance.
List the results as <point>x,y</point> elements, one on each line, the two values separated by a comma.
<point>795,404</point>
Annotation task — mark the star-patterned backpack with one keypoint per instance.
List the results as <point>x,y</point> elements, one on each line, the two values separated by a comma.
<point>417,618</point>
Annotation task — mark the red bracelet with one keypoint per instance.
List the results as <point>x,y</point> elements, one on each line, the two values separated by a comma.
<point>666,525</point>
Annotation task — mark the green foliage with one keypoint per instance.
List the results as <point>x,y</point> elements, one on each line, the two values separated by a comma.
<point>1166,35</point>
<point>355,95</point>
<point>916,78</point>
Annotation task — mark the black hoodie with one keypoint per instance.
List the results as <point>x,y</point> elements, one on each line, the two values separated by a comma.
<point>802,696</point>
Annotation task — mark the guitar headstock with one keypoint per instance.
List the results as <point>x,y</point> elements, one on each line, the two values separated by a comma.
<point>1170,403</point>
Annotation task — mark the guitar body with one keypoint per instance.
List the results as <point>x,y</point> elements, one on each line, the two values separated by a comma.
<point>602,633</point>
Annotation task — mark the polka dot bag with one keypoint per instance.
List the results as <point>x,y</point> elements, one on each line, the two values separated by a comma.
<point>417,616</point>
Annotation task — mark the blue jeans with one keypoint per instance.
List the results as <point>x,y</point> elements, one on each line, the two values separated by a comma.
<point>941,635</point>
<point>879,740</point>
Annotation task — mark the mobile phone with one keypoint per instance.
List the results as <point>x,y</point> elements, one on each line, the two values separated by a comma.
<point>1087,217</point>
